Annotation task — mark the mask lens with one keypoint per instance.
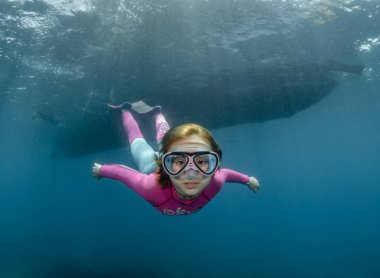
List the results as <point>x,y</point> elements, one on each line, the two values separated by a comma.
<point>206,163</point>
<point>175,163</point>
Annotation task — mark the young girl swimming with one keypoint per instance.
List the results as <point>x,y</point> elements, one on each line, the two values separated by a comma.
<point>185,175</point>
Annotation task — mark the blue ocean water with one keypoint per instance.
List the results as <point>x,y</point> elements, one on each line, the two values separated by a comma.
<point>316,215</point>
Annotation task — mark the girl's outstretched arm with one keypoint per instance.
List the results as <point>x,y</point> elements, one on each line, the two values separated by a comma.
<point>143,184</point>
<point>234,176</point>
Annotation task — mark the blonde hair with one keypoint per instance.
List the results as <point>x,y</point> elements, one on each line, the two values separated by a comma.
<point>176,134</point>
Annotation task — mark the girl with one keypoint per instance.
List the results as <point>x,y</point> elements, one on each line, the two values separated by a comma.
<point>185,175</point>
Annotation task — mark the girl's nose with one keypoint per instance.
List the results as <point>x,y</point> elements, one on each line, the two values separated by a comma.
<point>191,174</point>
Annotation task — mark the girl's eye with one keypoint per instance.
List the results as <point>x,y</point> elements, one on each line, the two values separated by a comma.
<point>180,161</point>
<point>202,160</point>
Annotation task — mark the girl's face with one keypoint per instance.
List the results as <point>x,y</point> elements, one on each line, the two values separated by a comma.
<point>191,182</point>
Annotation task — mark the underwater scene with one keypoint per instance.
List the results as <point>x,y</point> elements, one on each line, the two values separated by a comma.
<point>289,89</point>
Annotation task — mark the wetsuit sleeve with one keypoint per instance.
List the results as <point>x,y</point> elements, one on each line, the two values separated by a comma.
<point>144,185</point>
<point>234,176</point>
<point>221,176</point>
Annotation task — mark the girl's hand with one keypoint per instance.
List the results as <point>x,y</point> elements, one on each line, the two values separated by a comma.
<point>96,170</point>
<point>253,184</point>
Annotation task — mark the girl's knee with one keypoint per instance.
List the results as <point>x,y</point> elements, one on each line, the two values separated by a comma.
<point>148,168</point>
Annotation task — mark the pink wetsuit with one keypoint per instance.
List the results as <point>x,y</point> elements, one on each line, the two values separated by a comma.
<point>165,199</point>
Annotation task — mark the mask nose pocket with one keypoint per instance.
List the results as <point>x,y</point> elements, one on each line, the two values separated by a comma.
<point>191,173</point>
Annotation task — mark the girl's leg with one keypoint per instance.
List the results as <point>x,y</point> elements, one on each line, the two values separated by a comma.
<point>131,127</point>
<point>144,156</point>
<point>142,153</point>
<point>161,127</point>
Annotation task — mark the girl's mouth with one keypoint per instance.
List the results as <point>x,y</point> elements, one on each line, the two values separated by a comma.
<point>191,185</point>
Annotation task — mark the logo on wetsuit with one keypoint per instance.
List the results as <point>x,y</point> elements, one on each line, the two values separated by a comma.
<point>179,211</point>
